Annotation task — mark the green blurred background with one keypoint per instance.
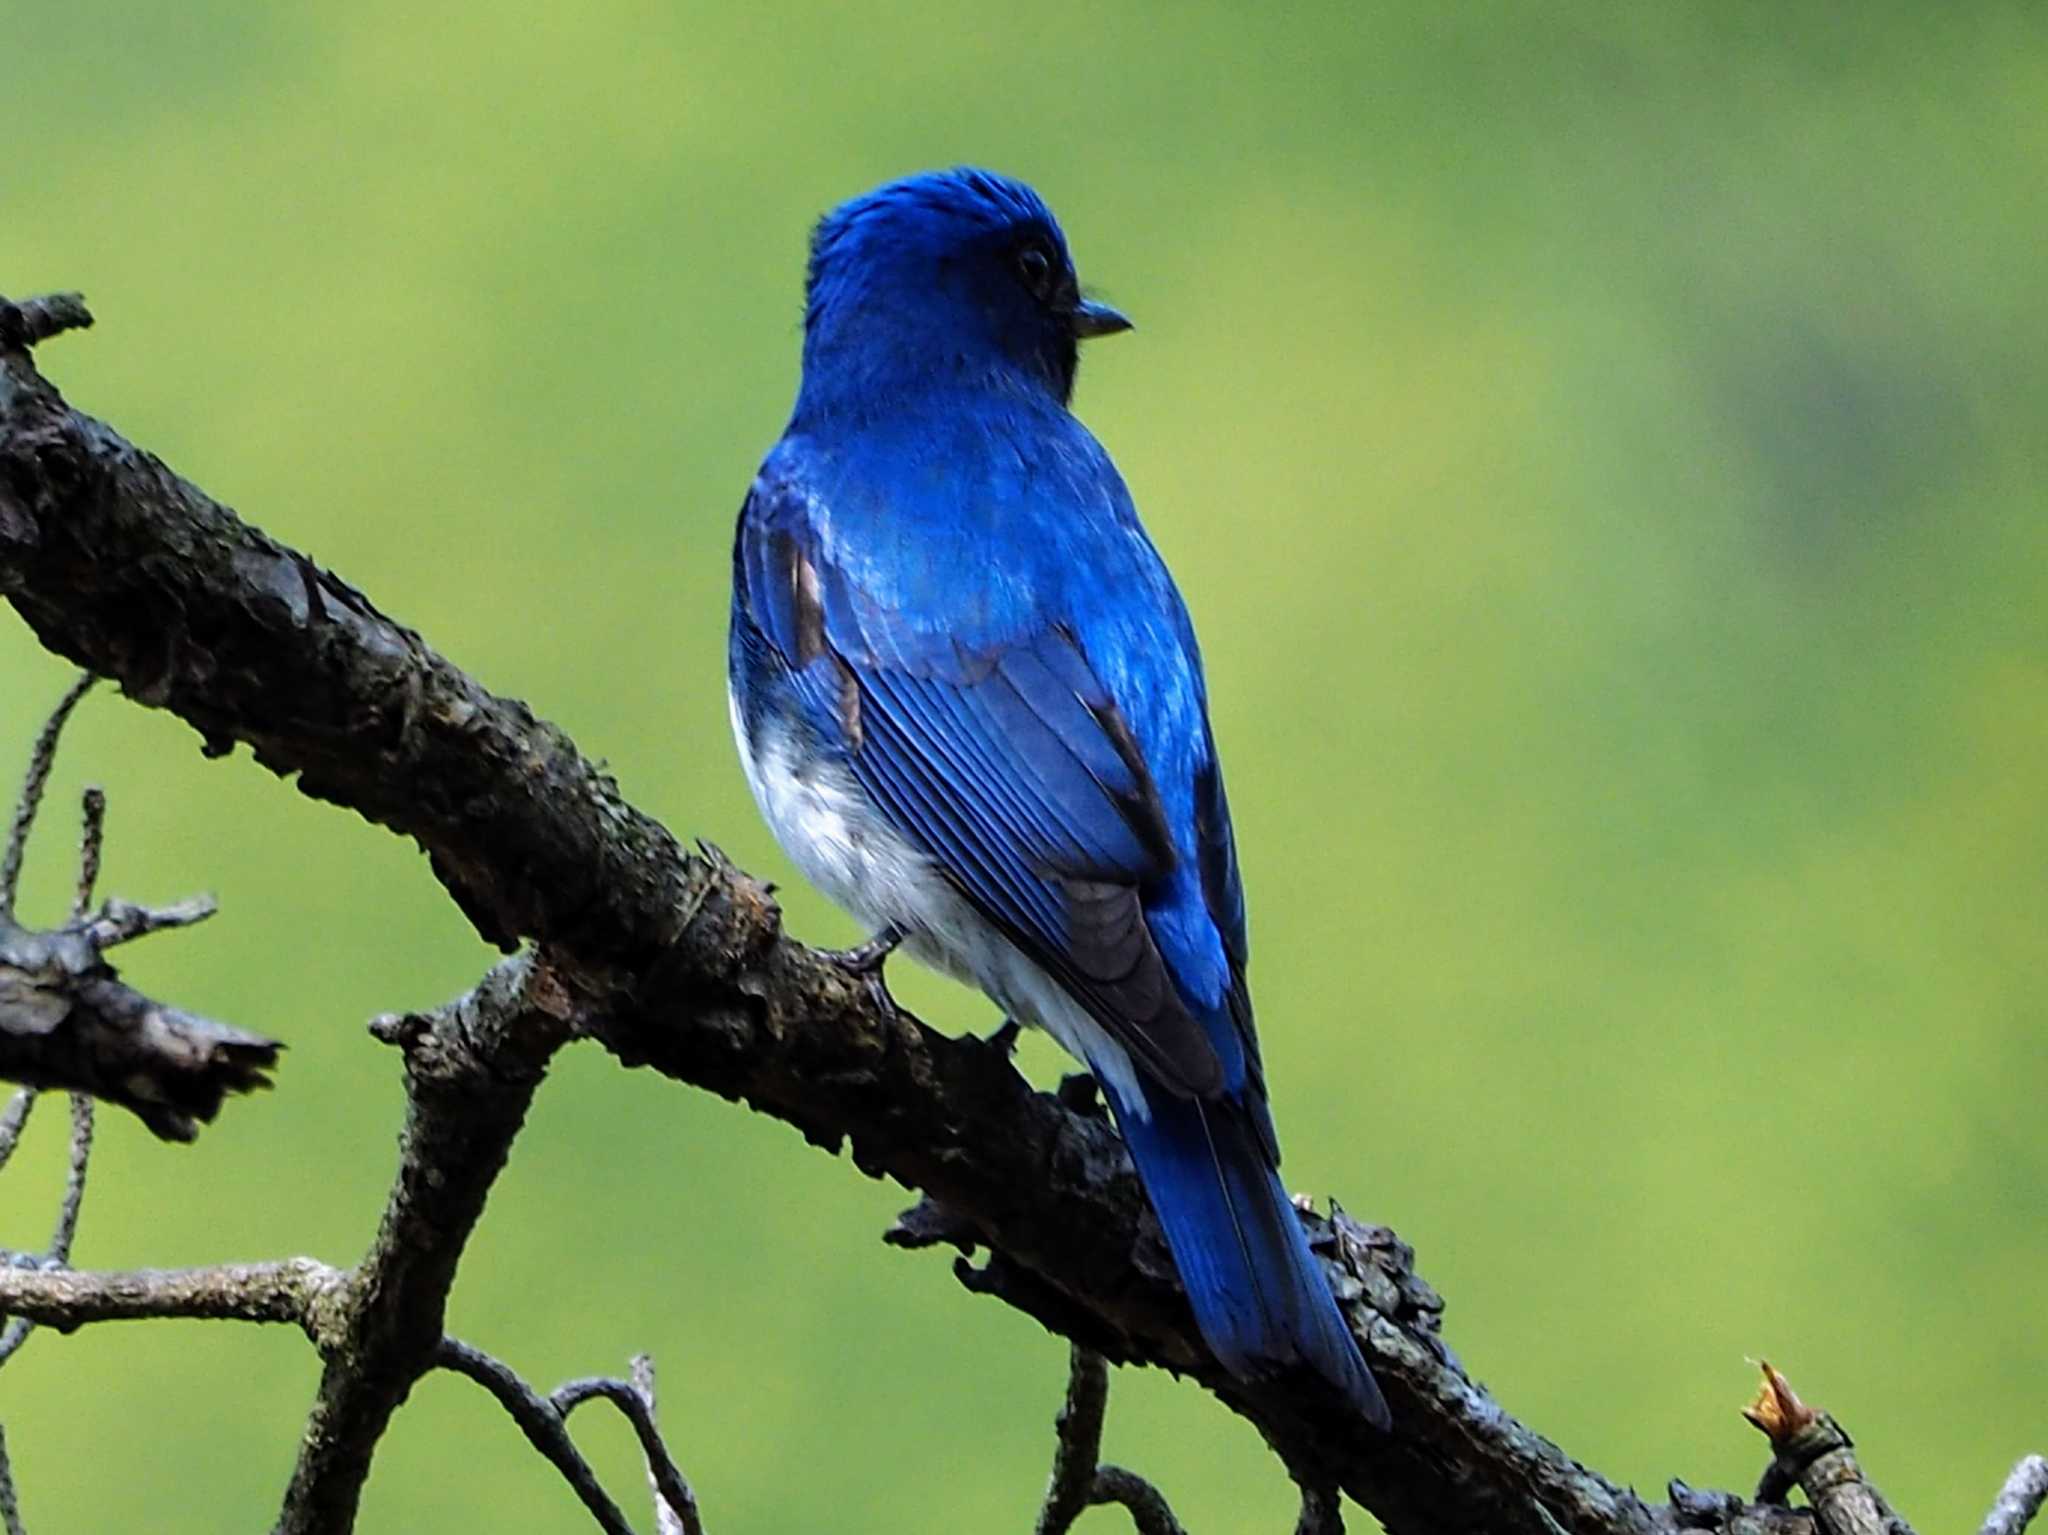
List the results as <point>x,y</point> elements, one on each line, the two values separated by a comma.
<point>1602,448</point>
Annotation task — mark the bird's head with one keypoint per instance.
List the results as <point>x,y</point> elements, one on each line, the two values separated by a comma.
<point>949,275</point>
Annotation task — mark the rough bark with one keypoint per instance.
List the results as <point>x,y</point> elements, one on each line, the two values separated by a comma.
<point>293,1290</point>
<point>67,1020</point>
<point>471,1071</point>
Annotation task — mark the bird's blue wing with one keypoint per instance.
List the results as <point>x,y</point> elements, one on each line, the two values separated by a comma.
<point>1046,744</point>
<point>1005,757</point>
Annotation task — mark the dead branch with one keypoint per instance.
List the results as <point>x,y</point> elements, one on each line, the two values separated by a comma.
<point>544,1420</point>
<point>13,1120</point>
<point>298,1291</point>
<point>314,1297</point>
<point>471,1069</point>
<point>68,1020</point>
<point>32,320</point>
<point>2025,1490</point>
<point>10,1509</point>
<point>1079,1479</point>
<point>58,1253</point>
<point>1812,1453</point>
<point>675,1504</point>
<point>41,758</point>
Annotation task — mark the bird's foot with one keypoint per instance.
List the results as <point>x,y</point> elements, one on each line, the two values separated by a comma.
<point>867,959</point>
<point>1005,1038</point>
<point>864,962</point>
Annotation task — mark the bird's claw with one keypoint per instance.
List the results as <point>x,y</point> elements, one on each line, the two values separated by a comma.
<point>867,959</point>
<point>863,963</point>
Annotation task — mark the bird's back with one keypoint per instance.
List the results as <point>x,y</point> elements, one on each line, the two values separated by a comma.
<point>967,522</point>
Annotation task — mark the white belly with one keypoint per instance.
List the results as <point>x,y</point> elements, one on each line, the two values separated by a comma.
<point>832,831</point>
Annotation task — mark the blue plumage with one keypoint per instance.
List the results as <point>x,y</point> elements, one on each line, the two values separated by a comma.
<point>970,703</point>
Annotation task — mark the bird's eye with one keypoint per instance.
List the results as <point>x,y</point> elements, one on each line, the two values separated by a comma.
<point>1034,265</point>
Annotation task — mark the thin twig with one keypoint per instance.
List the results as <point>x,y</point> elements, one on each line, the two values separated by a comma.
<point>671,1515</point>
<point>58,1255</point>
<point>1077,1441</point>
<point>10,1510</point>
<point>662,1471</point>
<point>296,1290</point>
<point>41,756</point>
<point>541,1421</point>
<point>120,921</point>
<point>544,1420</point>
<point>12,1118</point>
<point>1079,1480</point>
<point>89,851</point>
<point>74,1181</point>
<point>1146,1504</point>
<point>2020,1499</point>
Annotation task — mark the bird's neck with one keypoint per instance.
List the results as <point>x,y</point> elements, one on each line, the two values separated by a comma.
<point>866,383</point>
<point>863,355</point>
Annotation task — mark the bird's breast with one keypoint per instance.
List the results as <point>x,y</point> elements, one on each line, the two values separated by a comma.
<point>834,833</point>
<point>842,843</point>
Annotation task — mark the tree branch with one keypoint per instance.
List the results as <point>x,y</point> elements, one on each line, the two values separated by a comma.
<point>1812,1453</point>
<point>38,319</point>
<point>677,960</point>
<point>67,1020</point>
<point>299,1291</point>
<point>675,1503</point>
<point>1079,1479</point>
<point>10,1509</point>
<point>471,1070</point>
<point>41,758</point>
<point>542,1423</point>
<point>14,1119</point>
<point>2020,1499</point>
<point>315,1298</point>
<point>58,1254</point>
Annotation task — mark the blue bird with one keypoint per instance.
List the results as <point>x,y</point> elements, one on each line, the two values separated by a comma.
<point>969,702</point>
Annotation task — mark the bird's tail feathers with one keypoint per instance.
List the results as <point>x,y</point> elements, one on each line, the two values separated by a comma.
<point>1258,1294</point>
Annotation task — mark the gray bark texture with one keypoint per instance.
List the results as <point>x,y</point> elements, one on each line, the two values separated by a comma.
<point>675,960</point>
<point>66,1020</point>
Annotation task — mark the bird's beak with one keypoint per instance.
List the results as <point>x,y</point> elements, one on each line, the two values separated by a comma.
<point>1092,318</point>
